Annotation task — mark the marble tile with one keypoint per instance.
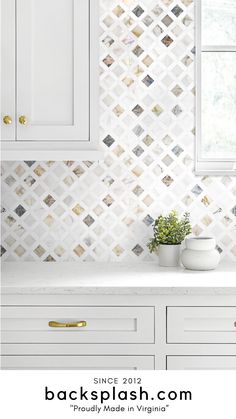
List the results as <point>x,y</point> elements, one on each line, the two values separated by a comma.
<point>102,211</point>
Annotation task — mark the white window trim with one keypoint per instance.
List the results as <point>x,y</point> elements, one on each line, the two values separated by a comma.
<point>205,166</point>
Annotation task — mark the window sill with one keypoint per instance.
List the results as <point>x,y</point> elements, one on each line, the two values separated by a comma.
<point>215,168</point>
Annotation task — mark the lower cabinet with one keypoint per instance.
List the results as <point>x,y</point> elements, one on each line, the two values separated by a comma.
<point>201,362</point>
<point>119,332</point>
<point>78,362</point>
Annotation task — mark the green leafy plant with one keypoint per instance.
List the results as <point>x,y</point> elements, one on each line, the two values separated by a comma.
<point>170,229</point>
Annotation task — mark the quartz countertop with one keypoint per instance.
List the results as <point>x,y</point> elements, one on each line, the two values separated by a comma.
<point>113,278</point>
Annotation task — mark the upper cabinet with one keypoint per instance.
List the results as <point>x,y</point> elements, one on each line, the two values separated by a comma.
<point>49,79</point>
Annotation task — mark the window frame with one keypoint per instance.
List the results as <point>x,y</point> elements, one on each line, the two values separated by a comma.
<point>206,166</point>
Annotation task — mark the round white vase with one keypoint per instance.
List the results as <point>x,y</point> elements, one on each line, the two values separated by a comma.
<point>169,254</point>
<point>200,254</point>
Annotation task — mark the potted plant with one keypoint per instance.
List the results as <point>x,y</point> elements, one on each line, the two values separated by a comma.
<point>169,232</point>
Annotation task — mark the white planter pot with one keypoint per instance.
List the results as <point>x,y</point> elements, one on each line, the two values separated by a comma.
<point>200,254</point>
<point>169,255</point>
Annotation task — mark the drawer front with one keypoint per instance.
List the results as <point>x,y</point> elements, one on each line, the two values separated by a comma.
<point>78,362</point>
<point>103,324</point>
<point>201,362</point>
<point>201,325</point>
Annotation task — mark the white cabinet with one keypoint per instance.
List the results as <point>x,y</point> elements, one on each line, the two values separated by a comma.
<point>201,362</point>
<point>113,316</point>
<point>78,362</point>
<point>71,325</point>
<point>201,325</point>
<point>49,99</point>
<point>82,331</point>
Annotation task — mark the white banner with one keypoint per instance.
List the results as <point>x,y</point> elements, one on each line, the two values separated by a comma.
<point>98,394</point>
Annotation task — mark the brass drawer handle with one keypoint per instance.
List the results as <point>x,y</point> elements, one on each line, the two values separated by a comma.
<point>234,324</point>
<point>81,323</point>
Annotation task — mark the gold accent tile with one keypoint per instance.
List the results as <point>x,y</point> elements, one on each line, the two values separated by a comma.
<point>118,250</point>
<point>118,11</point>
<point>39,251</point>
<point>79,250</point>
<point>39,170</point>
<point>78,210</point>
<point>118,110</point>
<point>157,110</point>
<point>137,171</point>
<point>137,31</point>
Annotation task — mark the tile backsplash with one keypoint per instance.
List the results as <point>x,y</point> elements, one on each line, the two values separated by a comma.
<point>89,211</point>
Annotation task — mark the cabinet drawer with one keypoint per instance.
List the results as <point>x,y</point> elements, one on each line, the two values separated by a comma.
<point>79,362</point>
<point>201,325</point>
<point>201,362</point>
<point>103,324</point>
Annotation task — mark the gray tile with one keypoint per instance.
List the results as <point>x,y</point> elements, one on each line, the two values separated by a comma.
<point>148,80</point>
<point>108,141</point>
<point>137,250</point>
<point>20,210</point>
<point>177,11</point>
<point>137,110</point>
<point>88,220</point>
<point>138,11</point>
<point>234,210</point>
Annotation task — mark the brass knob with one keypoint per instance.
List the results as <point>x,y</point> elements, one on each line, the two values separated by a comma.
<point>23,120</point>
<point>7,120</point>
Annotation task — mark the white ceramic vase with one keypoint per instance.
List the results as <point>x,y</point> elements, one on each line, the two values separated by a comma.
<point>200,254</point>
<point>169,254</point>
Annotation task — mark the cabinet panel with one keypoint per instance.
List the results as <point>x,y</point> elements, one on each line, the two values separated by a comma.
<point>49,79</point>
<point>53,69</point>
<point>79,362</point>
<point>201,325</point>
<point>7,61</point>
<point>104,325</point>
<point>201,362</point>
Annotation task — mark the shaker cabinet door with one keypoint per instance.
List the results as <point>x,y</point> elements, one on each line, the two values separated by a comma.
<point>201,325</point>
<point>108,362</point>
<point>201,362</point>
<point>49,79</point>
<point>7,70</point>
<point>52,70</point>
<point>102,325</point>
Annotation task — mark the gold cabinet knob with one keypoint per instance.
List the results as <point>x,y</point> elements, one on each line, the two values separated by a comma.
<point>23,120</point>
<point>7,120</point>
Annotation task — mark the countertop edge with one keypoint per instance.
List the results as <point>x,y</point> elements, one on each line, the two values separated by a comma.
<point>173,290</point>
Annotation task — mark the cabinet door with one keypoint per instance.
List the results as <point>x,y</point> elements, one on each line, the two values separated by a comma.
<point>102,325</point>
<point>53,70</point>
<point>201,362</point>
<point>108,362</point>
<point>7,72</point>
<point>201,325</point>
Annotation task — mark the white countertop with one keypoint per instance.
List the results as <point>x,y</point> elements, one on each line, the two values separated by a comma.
<point>112,278</point>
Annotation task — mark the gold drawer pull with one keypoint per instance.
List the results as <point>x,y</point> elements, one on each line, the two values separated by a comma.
<point>81,323</point>
<point>234,324</point>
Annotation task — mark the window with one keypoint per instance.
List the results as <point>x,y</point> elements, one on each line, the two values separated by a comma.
<point>216,86</point>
